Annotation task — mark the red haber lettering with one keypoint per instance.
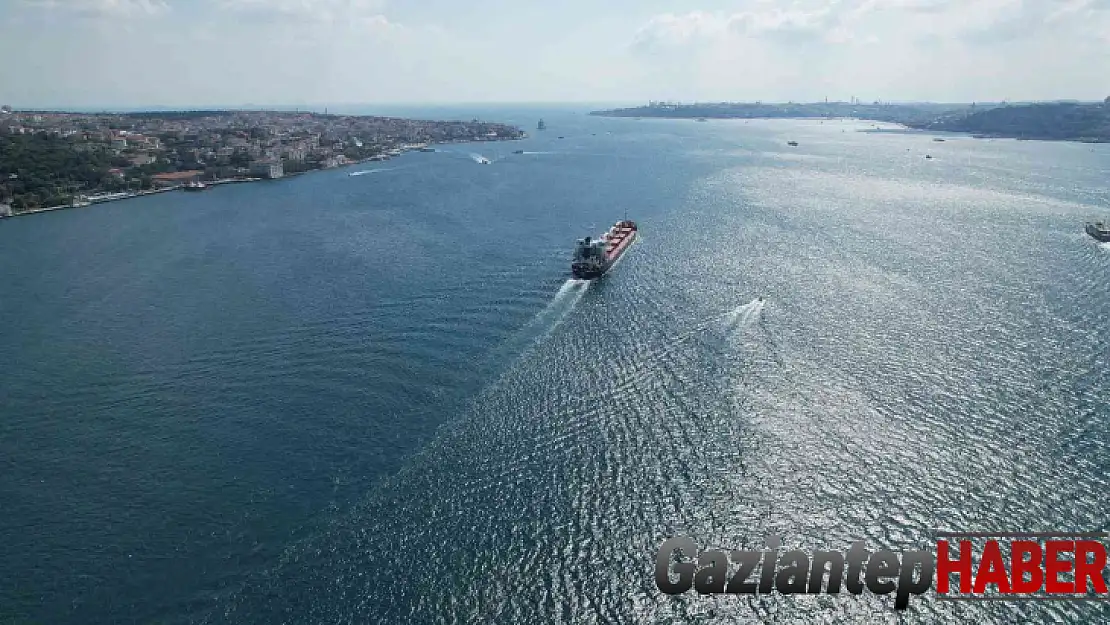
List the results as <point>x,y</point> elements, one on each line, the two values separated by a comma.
<point>1019,566</point>
<point>992,570</point>
<point>1054,566</point>
<point>1085,570</point>
<point>961,566</point>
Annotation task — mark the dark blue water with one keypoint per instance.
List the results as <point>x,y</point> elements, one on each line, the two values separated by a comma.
<point>377,398</point>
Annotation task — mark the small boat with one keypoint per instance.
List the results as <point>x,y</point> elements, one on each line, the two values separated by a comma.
<point>562,137</point>
<point>518,151</point>
<point>928,156</point>
<point>1100,230</point>
<point>938,139</point>
<point>702,119</point>
<point>195,186</point>
<point>792,144</point>
<point>427,149</point>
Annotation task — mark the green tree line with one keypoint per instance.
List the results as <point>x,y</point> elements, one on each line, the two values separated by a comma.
<point>40,170</point>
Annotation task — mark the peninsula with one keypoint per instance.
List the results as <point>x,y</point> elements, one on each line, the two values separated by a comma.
<point>54,159</point>
<point>1065,121</point>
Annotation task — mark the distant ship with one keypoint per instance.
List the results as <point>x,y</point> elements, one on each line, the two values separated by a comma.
<point>541,126</point>
<point>792,144</point>
<point>1099,230</point>
<point>427,149</point>
<point>938,139</point>
<point>518,151</point>
<point>483,160</point>
<point>593,257</point>
<point>928,156</point>
<point>701,119</point>
<point>195,186</point>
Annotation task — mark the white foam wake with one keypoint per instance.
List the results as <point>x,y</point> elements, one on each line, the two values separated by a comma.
<point>745,315</point>
<point>544,323</point>
<point>370,171</point>
<point>566,298</point>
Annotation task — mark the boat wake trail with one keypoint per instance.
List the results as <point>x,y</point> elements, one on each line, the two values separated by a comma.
<point>544,323</point>
<point>370,171</point>
<point>744,316</point>
<point>478,158</point>
<point>561,305</point>
<point>1104,247</point>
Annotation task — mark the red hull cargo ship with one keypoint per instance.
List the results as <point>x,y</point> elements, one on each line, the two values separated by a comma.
<point>593,257</point>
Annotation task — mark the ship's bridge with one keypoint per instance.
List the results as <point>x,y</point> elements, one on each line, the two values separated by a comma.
<point>590,249</point>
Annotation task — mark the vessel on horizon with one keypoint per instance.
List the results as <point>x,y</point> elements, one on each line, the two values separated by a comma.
<point>593,257</point>
<point>541,125</point>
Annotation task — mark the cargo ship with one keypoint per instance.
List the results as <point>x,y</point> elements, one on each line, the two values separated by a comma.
<point>1099,230</point>
<point>593,257</point>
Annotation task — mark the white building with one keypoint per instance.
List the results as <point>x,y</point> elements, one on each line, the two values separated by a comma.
<point>267,169</point>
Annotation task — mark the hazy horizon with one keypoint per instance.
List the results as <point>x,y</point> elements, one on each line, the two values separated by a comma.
<point>110,54</point>
<point>366,108</point>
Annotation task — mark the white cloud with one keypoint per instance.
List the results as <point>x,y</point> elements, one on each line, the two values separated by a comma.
<point>320,10</point>
<point>984,22</point>
<point>101,8</point>
<point>699,28</point>
<point>282,51</point>
<point>892,49</point>
<point>670,30</point>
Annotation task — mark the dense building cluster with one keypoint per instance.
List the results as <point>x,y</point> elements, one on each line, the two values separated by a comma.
<point>50,159</point>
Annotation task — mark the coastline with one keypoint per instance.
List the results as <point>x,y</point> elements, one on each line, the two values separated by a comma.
<point>900,126</point>
<point>126,195</point>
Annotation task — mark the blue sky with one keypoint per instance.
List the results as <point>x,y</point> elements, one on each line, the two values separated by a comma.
<point>195,52</point>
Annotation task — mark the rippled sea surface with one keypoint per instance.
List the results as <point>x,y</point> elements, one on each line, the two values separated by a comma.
<point>378,398</point>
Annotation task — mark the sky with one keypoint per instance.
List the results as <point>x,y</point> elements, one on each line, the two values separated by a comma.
<point>130,53</point>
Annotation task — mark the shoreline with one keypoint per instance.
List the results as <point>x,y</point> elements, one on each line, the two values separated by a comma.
<point>905,125</point>
<point>125,195</point>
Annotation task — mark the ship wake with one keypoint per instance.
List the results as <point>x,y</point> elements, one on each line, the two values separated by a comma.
<point>744,316</point>
<point>544,323</point>
<point>566,298</point>
<point>370,171</point>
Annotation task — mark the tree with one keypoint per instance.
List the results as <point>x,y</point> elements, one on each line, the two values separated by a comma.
<point>39,168</point>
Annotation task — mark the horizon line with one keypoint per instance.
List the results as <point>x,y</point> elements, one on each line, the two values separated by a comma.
<point>321,107</point>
